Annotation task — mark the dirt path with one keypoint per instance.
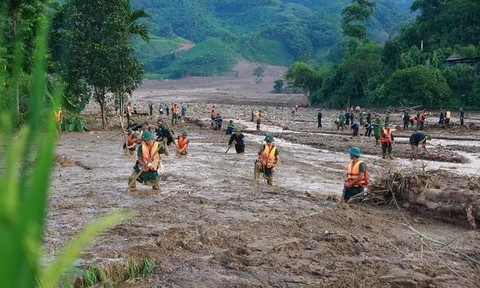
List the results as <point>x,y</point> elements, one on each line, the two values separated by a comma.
<point>212,226</point>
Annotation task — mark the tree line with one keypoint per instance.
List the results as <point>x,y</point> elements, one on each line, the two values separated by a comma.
<point>90,54</point>
<point>410,69</point>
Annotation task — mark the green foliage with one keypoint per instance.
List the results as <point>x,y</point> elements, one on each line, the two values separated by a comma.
<point>419,85</point>
<point>354,17</point>
<point>268,31</point>
<point>25,183</point>
<point>209,58</point>
<point>463,80</point>
<point>114,274</point>
<point>259,73</point>
<point>278,85</point>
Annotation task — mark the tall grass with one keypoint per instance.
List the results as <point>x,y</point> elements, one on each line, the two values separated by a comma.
<point>26,157</point>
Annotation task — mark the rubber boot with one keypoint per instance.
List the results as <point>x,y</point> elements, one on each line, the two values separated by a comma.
<point>132,183</point>
<point>257,171</point>
<point>269,180</point>
<point>383,155</point>
<point>156,185</point>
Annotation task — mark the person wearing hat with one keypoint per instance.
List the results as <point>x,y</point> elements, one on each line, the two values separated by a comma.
<point>182,143</point>
<point>133,139</point>
<point>356,178</point>
<point>268,159</point>
<point>237,137</point>
<point>419,138</point>
<point>377,128</point>
<point>145,169</point>
<point>386,139</point>
<point>164,133</point>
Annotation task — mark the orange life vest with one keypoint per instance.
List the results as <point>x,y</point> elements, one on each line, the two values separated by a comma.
<point>150,154</point>
<point>131,139</point>
<point>447,114</point>
<point>175,109</point>
<point>267,156</point>
<point>386,135</point>
<point>182,142</point>
<point>354,172</point>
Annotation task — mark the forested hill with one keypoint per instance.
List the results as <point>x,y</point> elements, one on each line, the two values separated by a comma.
<point>266,31</point>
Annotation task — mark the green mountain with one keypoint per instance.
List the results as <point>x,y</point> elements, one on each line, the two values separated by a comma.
<point>206,37</point>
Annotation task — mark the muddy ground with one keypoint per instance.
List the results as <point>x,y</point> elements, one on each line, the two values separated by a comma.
<point>212,226</point>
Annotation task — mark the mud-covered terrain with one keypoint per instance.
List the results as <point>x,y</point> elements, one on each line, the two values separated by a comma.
<point>211,225</point>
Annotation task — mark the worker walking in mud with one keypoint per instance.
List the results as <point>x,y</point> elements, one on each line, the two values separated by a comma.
<point>237,138</point>
<point>377,128</point>
<point>418,141</point>
<point>357,176</point>
<point>258,117</point>
<point>129,112</point>
<point>175,111</point>
<point>319,119</point>
<point>164,133</point>
<point>268,159</point>
<point>462,116</point>
<point>130,145</point>
<point>406,119</point>
<point>182,143</point>
<point>148,162</point>
<point>386,139</point>
<point>230,128</point>
<point>58,119</point>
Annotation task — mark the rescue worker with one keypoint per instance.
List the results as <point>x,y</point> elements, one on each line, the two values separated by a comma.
<point>368,129</point>
<point>356,178</point>
<point>386,139</point>
<point>164,133</point>
<point>58,119</point>
<point>421,119</point>
<point>419,138</point>
<point>145,169</point>
<point>182,143</point>
<point>377,128</point>
<point>355,127</point>
<point>268,159</point>
<point>237,137</point>
<point>462,116</point>
<point>319,119</point>
<point>218,122</point>
<point>447,117</point>
<point>213,114</point>
<point>406,119</point>
<point>230,128</point>
<point>129,111</point>
<point>130,145</point>
<point>175,111</point>
<point>441,118</point>
<point>183,111</point>
<point>258,117</point>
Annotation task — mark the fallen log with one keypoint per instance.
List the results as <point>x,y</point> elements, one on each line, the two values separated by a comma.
<point>429,192</point>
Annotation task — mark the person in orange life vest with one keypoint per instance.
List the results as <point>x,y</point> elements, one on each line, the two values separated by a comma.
<point>145,169</point>
<point>182,143</point>
<point>386,139</point>
<point>355,181</point>
<point>268,159</point>
<point>447,117</point>
<point>133,139</point>
<point>175,111</point>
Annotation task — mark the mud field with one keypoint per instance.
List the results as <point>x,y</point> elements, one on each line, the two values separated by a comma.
<point>211,225</point>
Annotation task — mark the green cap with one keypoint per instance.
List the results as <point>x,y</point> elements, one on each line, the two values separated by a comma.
<point>355,151</point>
<point>147,135</point>
<point>185,132</point>
<point>268,138</point>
